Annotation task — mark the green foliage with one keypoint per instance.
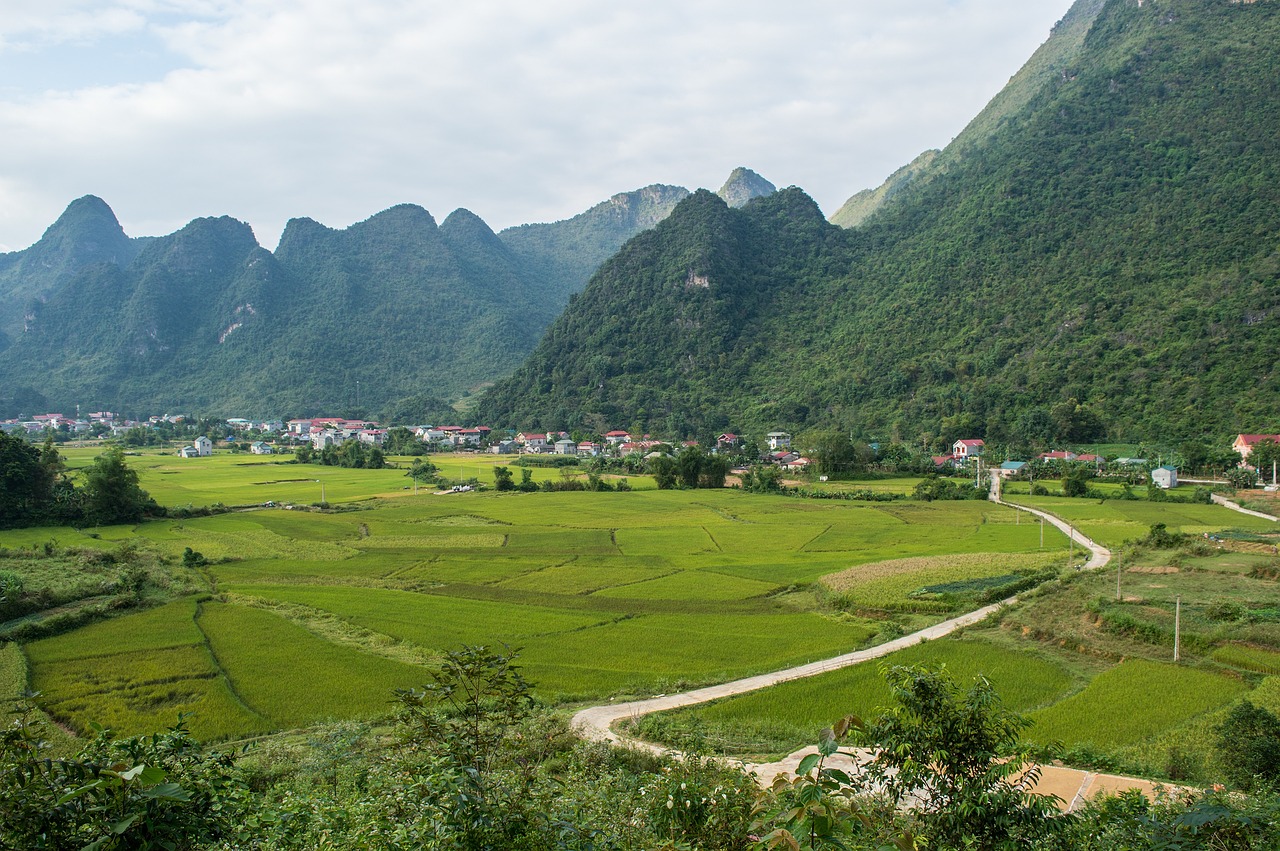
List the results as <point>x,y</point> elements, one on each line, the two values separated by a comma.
<point>762,478</point>
<point>1249,746</point>
<point>149,793</point>
<point>470,705</point>
<point>27,479</point>
<point>1241,478</point>
<point>1076,482</point>
<point>111,493</point>
<point>953,757</point>
<point>933,487</point>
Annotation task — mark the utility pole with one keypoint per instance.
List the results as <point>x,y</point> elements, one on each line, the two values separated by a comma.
<point>1177,623</point>
<point>1042,533</point>
<point>1119,570</point>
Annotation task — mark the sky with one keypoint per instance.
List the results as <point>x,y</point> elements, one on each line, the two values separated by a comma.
<point>266,110</point>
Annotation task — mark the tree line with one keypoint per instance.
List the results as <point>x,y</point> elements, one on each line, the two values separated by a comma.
<point>36,489</point>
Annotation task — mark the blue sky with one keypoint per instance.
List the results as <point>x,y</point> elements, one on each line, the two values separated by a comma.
<point>269,109</point>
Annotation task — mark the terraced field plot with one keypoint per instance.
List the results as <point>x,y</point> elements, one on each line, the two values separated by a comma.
<point>612,593</point>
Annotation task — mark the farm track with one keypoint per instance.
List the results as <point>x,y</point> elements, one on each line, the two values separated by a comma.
<point>1219,499</point>
<point>1072,785</point>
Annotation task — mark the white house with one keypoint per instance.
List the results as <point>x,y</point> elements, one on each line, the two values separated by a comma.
<point>372,436</point>
<point>260,448</point>
<point>204,446</point>
<point>963,450</point>
<point>566,447</point>
<point>779,440</point>
<point>189,452</point>
<point>1165,477</point>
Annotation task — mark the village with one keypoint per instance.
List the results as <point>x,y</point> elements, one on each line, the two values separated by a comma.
<point>966,456</point>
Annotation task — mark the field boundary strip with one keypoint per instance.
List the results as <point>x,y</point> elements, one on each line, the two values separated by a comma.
<point>221,672</point>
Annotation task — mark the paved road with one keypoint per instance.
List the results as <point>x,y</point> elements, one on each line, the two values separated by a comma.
<point>598,721</point>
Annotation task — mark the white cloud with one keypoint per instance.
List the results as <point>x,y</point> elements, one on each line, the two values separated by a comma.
<point>518,111</point>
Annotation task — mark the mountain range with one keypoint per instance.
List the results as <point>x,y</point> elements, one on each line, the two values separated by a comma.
<point>396,315</point>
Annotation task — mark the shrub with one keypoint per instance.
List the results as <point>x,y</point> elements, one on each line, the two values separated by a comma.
<point>1249,746</point>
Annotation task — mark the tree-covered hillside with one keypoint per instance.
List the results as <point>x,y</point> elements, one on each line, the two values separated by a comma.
<point>1114,241</point>
<point>394,316</point>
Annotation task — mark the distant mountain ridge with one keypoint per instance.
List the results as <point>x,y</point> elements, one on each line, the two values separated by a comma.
<point>394,315</point>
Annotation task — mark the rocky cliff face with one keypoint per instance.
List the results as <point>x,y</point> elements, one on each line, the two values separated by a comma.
<point>743,185</point>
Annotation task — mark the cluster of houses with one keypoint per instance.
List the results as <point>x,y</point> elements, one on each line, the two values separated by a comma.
<point>966,452</point>
<point>99,422</point>
<point>616,443</point>
<point>323,432</point>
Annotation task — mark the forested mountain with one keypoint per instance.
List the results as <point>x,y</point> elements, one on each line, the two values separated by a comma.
<point>1056,57</point>
<point>1106,250</point>
<point>394,315</point>
<point>85,234</point>
<point>563,255</point>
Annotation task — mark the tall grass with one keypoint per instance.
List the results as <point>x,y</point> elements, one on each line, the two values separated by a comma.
<point>1133,701</point>
<point>291,677</point>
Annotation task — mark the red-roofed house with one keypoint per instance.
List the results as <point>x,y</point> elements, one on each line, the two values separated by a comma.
<point>1058,455</point>
<point>965,449</point>
<point>616,437</point>
<point>533,441</point>
<point>1244,444</point>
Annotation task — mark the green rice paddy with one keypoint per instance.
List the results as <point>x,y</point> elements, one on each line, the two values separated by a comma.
<point>606,595</point>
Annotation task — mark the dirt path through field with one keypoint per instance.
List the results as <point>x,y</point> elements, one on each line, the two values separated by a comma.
<point>1071,785</point>
<point>1226,503</point>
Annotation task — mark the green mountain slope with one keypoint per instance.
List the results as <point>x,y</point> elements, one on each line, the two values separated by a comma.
<point>669,327</point>
<point>1114,241</point>
<point>1054,59</point>
<point>394,314</point>
<point>85,234</point>
<point>562,255</point>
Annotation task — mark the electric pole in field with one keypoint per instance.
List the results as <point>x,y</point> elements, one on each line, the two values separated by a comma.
<point>1177,623</point>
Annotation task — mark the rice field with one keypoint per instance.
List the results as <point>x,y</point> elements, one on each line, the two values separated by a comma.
<point>606,595</point>
<point>137,673</point>
<point>892,584</point>
<point>1247,658</point>
<point>1133,701</point>
<point>790,715</point>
